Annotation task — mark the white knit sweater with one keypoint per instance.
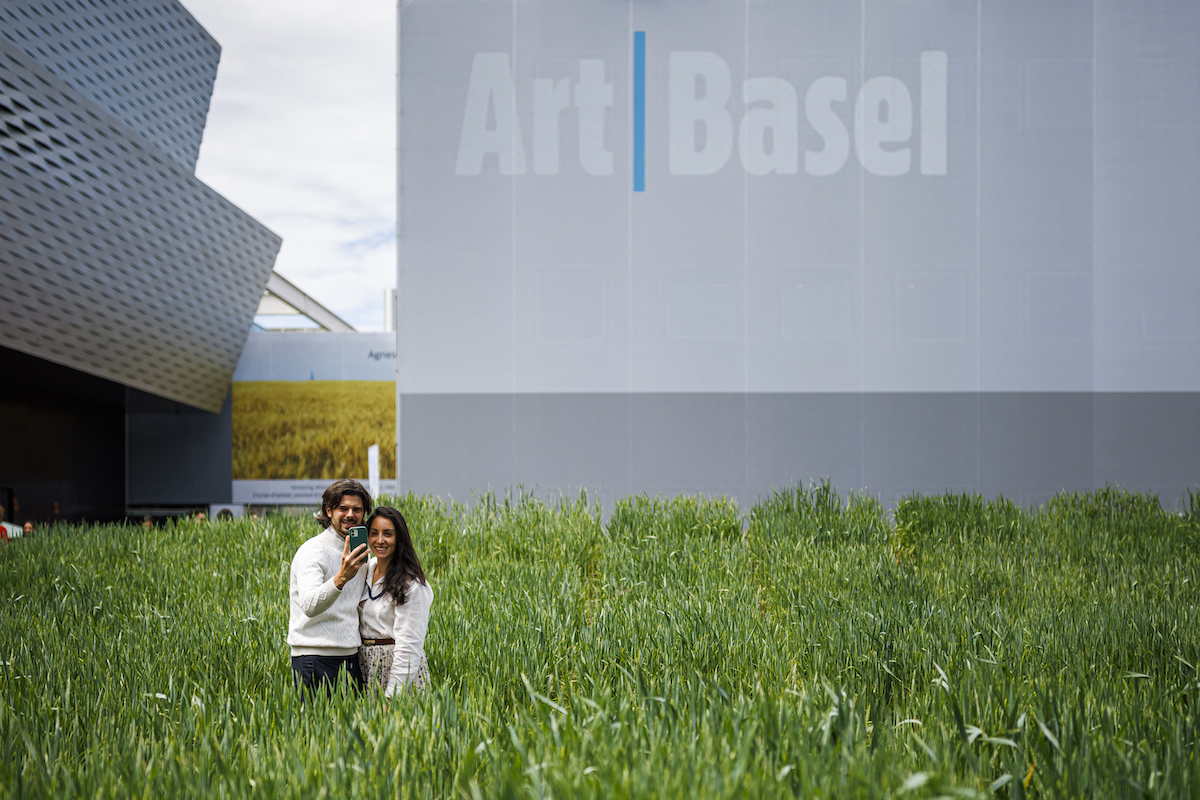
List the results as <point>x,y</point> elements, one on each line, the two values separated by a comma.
<point>324,619</point>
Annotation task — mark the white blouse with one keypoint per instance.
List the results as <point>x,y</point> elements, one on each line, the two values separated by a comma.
<point>382,618</point>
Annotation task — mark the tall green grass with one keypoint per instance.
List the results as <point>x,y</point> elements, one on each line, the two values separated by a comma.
<point>814,646</point>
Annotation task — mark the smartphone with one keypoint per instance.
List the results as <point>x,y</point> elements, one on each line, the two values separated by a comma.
<point>358,535</point>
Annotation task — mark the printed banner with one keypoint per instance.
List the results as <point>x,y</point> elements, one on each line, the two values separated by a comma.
<point>306,408</point>
<point>818,196</point>
<point>290,492</point>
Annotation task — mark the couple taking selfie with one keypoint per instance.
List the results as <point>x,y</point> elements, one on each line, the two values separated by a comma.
<point>364,609</point>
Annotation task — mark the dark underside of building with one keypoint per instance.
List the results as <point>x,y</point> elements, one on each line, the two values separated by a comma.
<point>77,447</point>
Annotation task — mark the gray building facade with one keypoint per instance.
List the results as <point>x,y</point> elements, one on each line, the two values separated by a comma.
<point>727,246</point>
<point>129,286</point>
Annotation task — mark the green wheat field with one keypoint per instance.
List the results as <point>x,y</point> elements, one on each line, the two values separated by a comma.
<point>312,429</point>
<point>811,646</point>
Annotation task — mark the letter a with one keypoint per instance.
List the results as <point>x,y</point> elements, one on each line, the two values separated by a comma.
<point>780,119</point>
<point>491,89</point>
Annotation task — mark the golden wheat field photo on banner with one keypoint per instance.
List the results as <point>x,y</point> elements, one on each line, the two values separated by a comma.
<point>292,430</point>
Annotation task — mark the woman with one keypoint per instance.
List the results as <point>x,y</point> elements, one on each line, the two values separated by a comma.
<point>394,612</point>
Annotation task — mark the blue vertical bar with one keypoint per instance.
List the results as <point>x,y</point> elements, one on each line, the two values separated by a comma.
<point>639,111</point>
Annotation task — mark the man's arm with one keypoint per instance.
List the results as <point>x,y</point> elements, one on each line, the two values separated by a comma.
<point>312,590</point>
<point>410,623</point>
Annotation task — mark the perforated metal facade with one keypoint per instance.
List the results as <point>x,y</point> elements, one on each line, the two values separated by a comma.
<point>149,63</point>
<point>114,259</point>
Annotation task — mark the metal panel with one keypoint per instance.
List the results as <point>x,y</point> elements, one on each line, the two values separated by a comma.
<point>149,63</point>
<point>115,260</point>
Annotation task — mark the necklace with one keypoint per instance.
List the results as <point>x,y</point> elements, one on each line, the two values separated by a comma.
<point>373,596</point>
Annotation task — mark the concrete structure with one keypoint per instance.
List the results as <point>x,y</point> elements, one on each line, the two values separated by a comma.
<point>727,246</point>
<point>285,300</point>
<point>129,285</point>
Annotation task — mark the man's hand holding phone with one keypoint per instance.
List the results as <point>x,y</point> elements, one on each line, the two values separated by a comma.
<point>351,561</point>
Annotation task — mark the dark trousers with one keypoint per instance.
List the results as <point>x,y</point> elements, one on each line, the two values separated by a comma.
<point>313,672</point>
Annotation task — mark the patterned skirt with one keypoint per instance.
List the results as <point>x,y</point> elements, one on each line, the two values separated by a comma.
<point>376,662</point>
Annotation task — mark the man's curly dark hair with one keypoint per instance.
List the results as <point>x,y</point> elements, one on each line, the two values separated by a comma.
<point>333,498</point>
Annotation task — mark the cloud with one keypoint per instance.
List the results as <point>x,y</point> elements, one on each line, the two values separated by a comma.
<point>301,133</point>
<point>373,241</point>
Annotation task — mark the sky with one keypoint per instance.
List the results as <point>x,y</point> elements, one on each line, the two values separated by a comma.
<point>301,134</point>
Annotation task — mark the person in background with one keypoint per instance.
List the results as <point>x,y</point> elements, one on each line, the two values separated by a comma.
<point>28,528</point>
<point>8,531</point>
<point>325,587</point>
<point>394,611</point>
<point>147,522</point>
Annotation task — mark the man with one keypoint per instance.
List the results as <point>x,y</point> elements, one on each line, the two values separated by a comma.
<point>326,585</point>
<point>28,528</point>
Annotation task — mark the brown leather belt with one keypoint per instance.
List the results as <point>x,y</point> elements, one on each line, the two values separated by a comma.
<point>372,642</point>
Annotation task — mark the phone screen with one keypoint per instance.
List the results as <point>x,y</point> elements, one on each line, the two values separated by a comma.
<point>358,535</point>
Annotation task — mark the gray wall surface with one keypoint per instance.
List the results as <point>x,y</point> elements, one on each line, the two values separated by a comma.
<point>175,454</point>
<point>932,245</point>
<point>1026,446</point>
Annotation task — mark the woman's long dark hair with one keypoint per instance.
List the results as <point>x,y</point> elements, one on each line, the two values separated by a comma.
<point>405,566</point>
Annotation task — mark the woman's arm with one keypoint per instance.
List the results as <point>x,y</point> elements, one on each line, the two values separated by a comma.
<point>411,622</point>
